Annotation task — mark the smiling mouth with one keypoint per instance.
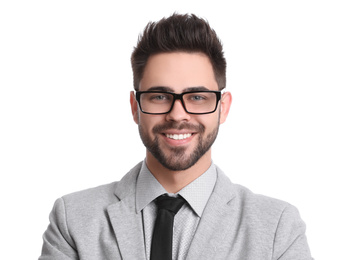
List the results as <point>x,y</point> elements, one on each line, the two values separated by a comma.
<point>178,136</point>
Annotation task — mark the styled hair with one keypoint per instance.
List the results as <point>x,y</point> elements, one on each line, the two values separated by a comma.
<point>185,33</point>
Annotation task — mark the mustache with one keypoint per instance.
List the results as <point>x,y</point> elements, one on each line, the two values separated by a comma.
<point>178,126</point>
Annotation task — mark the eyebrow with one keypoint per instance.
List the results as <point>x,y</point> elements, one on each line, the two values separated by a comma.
<point>199,88</point>
<point>168,89</point>
<point>161,88</point>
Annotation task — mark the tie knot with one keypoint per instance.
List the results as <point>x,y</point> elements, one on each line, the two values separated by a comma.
<point>170,203</point>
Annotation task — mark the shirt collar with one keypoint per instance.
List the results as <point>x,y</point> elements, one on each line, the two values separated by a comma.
<point>196,193</point>
<point>147,189</point>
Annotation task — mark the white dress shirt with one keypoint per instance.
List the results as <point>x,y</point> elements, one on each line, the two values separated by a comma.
<point>186,220</point>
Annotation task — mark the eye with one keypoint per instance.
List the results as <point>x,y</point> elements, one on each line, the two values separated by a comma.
<point>197,97</point>
<point>158,97</point>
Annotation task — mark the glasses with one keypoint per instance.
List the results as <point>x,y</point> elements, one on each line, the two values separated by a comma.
<point>194,102</point>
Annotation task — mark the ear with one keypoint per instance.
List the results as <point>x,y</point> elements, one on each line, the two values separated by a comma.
<point>134,107</point>
<point>225,104</point>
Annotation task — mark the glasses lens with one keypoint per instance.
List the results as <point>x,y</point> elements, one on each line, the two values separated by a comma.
<point>200,102</point>
<point>156,103</point>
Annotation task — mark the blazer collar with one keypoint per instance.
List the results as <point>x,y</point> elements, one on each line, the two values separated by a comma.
<point>127,185</point>
<point>126,222</point>
<point>216,222</point>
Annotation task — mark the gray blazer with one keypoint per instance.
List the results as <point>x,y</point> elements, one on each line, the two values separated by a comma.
<point>102,223</point>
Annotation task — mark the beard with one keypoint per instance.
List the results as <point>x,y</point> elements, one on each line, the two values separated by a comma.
<point>177,158</point>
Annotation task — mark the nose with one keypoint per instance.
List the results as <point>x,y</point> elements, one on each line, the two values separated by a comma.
<point>178,112</point>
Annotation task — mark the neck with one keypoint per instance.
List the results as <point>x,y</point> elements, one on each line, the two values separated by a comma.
<point>174,181</point>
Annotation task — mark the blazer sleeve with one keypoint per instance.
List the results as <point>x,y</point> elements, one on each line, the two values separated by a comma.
<point>290,240</point>
<point>57,242</point>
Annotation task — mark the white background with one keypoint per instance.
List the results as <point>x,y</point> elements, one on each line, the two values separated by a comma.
<point>65,121</point>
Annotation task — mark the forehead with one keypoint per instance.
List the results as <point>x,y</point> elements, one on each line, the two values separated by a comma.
<point>178,71</point>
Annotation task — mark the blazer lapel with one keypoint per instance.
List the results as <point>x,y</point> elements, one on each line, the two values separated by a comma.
<point>216,222</point>
<point>125,221</point>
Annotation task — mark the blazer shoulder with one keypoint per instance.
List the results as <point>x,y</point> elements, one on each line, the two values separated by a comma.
<point>266,212</point>
<point>260,203</point>
<point>244,198</point>
<point>274,220</point>
<point>100,194</point>
<point>107,193</point>
<point>97,198</point>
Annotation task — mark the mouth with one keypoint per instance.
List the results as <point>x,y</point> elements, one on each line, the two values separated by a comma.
<point>178,136</point>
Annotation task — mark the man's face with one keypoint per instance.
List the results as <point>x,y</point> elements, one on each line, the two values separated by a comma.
<point>178,139</point>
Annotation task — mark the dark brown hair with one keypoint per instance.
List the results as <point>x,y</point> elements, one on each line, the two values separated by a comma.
<point>186,33</point>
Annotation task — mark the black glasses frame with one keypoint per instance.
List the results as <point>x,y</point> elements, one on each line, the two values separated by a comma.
<point>179,97</point>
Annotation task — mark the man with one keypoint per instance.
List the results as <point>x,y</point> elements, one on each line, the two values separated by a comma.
<point>176,204</point>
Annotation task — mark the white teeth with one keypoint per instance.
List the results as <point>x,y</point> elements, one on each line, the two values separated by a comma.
<point>178,137</point>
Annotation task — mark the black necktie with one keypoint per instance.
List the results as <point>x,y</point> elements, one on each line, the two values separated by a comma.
<point>161,246</point>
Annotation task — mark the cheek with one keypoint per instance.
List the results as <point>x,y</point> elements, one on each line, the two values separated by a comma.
<point>210,121</point>
<point>147,122</point>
